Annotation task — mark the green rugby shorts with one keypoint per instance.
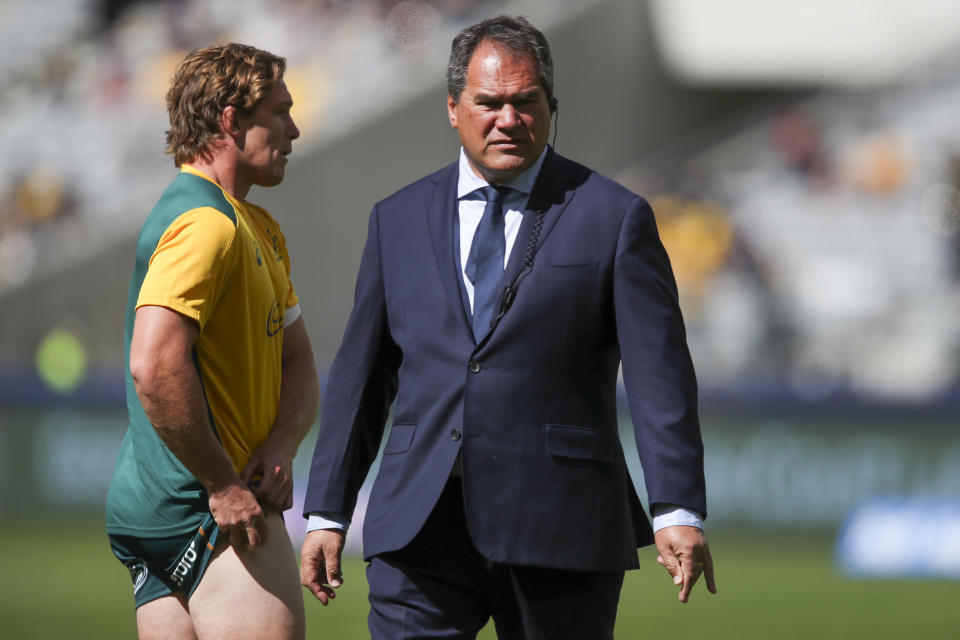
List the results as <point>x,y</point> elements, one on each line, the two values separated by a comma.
<point>163,566</point>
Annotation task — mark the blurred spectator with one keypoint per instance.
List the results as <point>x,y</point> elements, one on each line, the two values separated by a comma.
<point>41,195</point>
<point>879,164</point>
<point>697,236</point>
<point>796,137</point>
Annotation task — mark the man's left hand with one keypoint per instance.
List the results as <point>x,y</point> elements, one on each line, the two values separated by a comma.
<point>270,477</point>
<point>684,552</point>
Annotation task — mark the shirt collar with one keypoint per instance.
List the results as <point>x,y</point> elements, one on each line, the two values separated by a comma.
<point>192,170</point>
<point>468,181</point>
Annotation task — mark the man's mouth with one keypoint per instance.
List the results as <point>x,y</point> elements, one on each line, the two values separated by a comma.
<point>507,143</point>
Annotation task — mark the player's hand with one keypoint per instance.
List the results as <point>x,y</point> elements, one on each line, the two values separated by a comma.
<point>684,552</point>
<point>238,514</point>
<point>269,473</point>
<point>320,563</point>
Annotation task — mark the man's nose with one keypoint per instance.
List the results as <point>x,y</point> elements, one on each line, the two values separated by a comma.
<point>508,117</point>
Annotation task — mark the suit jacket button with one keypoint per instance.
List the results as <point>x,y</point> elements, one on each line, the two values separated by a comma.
<point>454,435</point>
<point>474,367</point>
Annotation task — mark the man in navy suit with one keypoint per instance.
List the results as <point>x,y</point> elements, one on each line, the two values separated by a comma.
<point>495,301</point>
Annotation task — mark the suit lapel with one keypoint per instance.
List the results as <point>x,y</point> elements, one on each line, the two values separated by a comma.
<point>552,192</point>
<point>551,196</point>
<point>440,212</point>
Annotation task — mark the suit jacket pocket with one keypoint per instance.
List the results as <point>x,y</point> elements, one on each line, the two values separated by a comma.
<point>401,436</point>
<point>578,442</point>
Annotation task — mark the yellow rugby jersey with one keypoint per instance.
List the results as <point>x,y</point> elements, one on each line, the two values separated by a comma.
<point>223,263</point>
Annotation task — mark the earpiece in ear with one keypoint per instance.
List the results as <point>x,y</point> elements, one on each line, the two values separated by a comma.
<point>556,120</point>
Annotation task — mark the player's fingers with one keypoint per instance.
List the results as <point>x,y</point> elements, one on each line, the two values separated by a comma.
<point>281,492</point>
<point>253,538</point>
<point>236,537</point>
<point>260,528</point>
<point>250,471</point>
<point>250,534</point>
<point>286,501</point>
<point>266,489</point>
<point>278,499</point>
<point>276,489</point>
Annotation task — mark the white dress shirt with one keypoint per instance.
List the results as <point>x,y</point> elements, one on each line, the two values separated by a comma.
<point>471,204</point>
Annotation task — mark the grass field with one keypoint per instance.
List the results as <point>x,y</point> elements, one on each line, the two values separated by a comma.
<point>62,582</point>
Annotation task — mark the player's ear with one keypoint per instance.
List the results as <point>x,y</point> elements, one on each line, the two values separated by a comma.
<point>230,122</point>
<point>452,110</point>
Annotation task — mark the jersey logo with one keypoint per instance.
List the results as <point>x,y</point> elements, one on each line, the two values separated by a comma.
<point>276,245</point>
<point>274,319</point>
<point>185,565</point>
<point>138,573</point>
<point>256,248</point>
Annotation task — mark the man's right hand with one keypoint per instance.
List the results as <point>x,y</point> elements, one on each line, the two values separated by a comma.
<point>320,563</point>
<point>238,514</point>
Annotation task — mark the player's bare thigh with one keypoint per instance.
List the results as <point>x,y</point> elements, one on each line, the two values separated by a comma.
<point>163,619</point>
<point>251,594</point>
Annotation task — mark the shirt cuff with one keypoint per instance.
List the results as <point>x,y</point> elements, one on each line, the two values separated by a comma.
<point>668,515</point>
<point>327,520</point>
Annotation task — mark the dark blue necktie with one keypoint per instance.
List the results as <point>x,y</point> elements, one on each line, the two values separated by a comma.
<point>485,262</point>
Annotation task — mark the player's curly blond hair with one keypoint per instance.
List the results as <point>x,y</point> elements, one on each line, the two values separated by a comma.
<point>209,80</point>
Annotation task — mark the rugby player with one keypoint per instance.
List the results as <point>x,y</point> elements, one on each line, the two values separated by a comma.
<point>221,379</point>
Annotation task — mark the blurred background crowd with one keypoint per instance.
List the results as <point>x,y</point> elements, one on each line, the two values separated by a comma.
<point>803,164</point>
<point>815,241</point>
<point>83,85</point>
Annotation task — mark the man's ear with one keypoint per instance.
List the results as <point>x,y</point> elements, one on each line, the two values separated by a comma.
<point>452,111</point>
<point>230,122</point>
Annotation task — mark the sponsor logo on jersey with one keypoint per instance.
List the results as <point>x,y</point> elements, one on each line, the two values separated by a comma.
<point>256,248</point>
<point>276,245</point>
<point>274,319</point>
<point>185,565</point>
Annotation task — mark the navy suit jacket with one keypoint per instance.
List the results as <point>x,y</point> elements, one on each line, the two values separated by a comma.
<point>531,409</point>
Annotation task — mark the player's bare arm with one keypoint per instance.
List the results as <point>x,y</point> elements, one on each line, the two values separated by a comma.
<point>169,389</point>
<point>271,464</point>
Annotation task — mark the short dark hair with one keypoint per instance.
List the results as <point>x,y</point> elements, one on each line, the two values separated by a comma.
<point>517,35</point>
<point>209,80</point>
